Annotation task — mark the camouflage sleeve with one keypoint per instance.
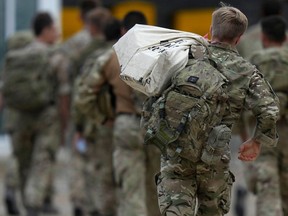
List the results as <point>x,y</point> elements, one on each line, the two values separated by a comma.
<point>264,104</point>
<point>61,65</point>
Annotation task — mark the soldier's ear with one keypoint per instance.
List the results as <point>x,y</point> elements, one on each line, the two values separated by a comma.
<point>237,40</point>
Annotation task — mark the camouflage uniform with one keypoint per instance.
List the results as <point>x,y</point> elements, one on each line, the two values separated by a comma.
<point>270,176</point>
<point>17,41</point>
<point>37,138</point>
<point>72,49</point>
<point>129,155</point>
<point>93,184</point>
<point>95,187</point>
<point>189,186</point>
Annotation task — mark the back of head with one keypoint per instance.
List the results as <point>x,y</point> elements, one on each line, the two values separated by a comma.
<point>271,7</point>
<point>41,21</point>
<point>86,6</point>
<point>99,18</point>
<point>274,28</point>
<point>112,30</point>
<point>228,23</point>
<point>132,18</point>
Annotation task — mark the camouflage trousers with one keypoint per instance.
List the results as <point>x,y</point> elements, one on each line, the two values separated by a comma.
<point>187,188</point>
<point>35,142</point>
<point>267,177</point>
<point>92,182</point>
<point>152,168</point>
<point>129,166</point>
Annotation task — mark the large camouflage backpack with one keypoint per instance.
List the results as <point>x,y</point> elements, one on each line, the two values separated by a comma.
<point>85,102</point>
<point>193,105</point>
<point>27,80</point>
<point>19,40</point>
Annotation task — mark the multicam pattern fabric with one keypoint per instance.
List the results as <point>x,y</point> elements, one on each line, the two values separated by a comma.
<point>36,137</point>
<point>92,183</point>
<point>184,180</point>
<point>85,101</point>
<point>71,51</point>
<point>93,188</point>
<point>35,145</point>
<point>248,90</point>
<point>129,166</point>
<point>26,73</point>
<point>270,177</point>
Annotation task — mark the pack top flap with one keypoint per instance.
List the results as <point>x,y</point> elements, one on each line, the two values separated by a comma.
<point>150,55</point>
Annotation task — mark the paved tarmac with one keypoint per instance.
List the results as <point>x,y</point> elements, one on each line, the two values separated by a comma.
<point>62,178</point>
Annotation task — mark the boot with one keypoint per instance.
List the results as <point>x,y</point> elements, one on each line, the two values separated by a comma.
<point>10,202</point>
<point>78,211</point>
<point>48,207</point>
<point>32,212</point>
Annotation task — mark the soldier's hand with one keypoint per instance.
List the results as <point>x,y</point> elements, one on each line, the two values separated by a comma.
<point>249,150</point>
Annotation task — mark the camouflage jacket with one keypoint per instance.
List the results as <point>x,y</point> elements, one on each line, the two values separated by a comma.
<point>273,63</point>
<point>87,106</point>
<point>247,89</point>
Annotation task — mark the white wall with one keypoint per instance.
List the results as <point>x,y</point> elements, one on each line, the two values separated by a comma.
<point>10,17</point>
<point>52,6</point>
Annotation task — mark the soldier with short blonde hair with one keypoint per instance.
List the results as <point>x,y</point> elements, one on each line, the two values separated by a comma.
<point>195,178</point>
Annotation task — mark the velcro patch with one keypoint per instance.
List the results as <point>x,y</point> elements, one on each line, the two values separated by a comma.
<point>193,79</point>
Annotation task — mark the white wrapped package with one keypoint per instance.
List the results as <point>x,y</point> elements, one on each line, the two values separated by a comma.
<point>150,55</point>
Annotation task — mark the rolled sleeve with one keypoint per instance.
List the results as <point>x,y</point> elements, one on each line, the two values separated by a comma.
<point>265,106</point>
<point>264,139</point>
<point>61,66</point>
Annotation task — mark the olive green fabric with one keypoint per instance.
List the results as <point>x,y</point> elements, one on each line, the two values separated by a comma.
<point>26,82</point>
<point>195,98</point>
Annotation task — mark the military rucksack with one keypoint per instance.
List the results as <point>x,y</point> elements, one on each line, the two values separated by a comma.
<point>27,81</point>
<point>19,40</point>
<point>194,104</point>
<point>98,107</point>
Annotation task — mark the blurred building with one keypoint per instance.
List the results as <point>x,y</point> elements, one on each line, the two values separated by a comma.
<point>184,15</point>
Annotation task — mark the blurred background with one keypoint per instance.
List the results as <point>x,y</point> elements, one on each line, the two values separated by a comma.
<point>186,15</point>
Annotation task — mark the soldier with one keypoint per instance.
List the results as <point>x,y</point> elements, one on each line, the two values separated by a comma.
<point>251,40</point>
<point>188,183</point>
<point>135,191</point>
<point>94,121</point>
<point>269,177</point>
<point>128,155</point>
<point>73,47</point>
<point>18,41</point>
<point>37,132</point>
<point>152,154</point>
